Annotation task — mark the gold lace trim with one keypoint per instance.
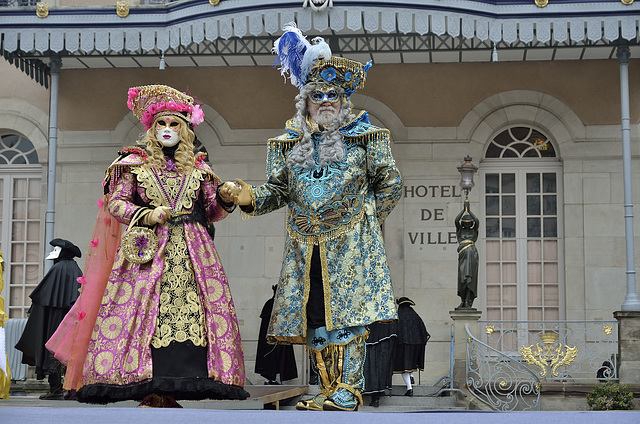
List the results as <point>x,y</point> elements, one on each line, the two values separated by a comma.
<point>180,314</point>
<point>171,196</point>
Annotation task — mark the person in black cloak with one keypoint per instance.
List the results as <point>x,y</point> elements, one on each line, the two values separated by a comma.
<point>273,359</point>
<point>379,360</point>
<point>411,343</point>
<point>50,302</point>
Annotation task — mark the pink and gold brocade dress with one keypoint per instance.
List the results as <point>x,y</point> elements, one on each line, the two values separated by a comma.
<point>168,326</point>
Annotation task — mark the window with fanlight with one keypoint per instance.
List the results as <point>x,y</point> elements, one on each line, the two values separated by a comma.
<point>522,204</point>
<point>20,221</point>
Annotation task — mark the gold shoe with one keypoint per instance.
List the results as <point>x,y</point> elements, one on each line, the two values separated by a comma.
<point>313,404</point>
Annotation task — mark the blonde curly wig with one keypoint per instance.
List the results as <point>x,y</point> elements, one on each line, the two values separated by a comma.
<point>184,157</point>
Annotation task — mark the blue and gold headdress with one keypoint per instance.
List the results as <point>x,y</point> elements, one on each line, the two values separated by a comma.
<point>312,62</point>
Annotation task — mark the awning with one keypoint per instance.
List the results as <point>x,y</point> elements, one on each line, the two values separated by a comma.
<point>241,32</point>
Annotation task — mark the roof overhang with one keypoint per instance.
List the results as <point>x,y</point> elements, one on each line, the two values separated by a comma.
<point>241,32</point>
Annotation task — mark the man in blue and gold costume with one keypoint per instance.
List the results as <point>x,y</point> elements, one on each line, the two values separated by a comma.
<point>334,172</point>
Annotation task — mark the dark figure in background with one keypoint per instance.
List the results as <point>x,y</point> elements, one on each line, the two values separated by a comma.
<point>273,359</point>
<point>467,226</point>
<point>51,300</point>
<point>411,344</point>
<point>379,360</point>
<point>605,372</point>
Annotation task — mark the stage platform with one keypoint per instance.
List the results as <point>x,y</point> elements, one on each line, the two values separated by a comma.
<point>115,415</point>
<point>261,397</point>
<point>264,407</point>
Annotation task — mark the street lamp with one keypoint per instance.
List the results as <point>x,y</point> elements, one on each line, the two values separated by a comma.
<point>466,170</point>
<point>467,226</point>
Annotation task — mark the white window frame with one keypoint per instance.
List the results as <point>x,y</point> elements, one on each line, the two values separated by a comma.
<point>8,173</point>
<point>520,167</point>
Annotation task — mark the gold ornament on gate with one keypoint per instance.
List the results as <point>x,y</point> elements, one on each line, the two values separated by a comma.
<point>541,3</point>
<point>42,9</point>
<point>214,2</point>
<point>122,8</point>
<point>550,355</point>
<point>627,2</point>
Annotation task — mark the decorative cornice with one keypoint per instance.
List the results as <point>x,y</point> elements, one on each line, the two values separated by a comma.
<point>74,29</point>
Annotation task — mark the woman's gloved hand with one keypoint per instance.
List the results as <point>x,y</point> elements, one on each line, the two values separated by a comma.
<point>158,216</point>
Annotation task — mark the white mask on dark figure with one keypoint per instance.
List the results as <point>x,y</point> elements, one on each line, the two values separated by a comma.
<point>55,253</point>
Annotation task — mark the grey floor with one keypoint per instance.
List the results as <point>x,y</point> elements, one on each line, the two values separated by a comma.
<point>115,415</point>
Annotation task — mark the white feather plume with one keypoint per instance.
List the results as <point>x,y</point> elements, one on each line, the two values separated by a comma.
<point>291,48</point>
<point>318,50</point>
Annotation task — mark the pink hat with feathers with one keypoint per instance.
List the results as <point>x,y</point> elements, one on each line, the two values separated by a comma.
<point>149,102</point>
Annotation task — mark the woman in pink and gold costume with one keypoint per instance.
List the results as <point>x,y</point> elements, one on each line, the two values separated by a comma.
<point>166,329</point>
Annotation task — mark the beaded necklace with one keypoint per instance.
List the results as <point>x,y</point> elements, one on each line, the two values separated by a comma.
<point>172,200</point>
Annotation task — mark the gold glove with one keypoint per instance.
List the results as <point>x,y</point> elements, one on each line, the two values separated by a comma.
<point>158,216</point>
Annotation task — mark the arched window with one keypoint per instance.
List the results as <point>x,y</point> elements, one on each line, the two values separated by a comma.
<point>20,220</point>
<point>520,142</point>
<point>17,150</point>
<point>522,180</point>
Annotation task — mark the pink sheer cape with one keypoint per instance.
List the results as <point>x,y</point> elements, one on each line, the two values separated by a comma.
<point>70,341</point>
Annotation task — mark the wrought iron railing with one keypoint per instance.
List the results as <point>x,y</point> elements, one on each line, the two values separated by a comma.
<point>17,3</point>
<point>507,368</point>
<point>558,351</point>
<point>501,381</point>
<point>21,3</point>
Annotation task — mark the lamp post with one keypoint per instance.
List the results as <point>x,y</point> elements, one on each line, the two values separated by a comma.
<point>466,170</point>
<point>467,225</point>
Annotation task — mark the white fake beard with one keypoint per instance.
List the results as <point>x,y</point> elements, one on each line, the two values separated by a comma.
<point>326,116</point>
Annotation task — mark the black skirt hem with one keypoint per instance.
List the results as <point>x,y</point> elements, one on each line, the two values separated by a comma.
<point>178,388</point>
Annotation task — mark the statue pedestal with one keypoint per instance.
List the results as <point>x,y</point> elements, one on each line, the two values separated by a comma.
<point>462,318</point>
<point>628,346</point>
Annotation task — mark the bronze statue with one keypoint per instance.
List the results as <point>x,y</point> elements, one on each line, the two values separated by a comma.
<point>467,226</point>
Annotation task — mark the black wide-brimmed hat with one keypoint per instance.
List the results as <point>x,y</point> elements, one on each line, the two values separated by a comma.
<point>71,249</point>
<point>404,299</point>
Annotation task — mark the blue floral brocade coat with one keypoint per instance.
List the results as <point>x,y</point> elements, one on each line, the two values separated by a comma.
<point>340,208</point>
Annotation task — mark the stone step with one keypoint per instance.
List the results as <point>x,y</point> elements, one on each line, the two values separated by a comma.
<point>424,398</point>
<point>416,402</point>
<point>28,387</point>
<point>418,390</point>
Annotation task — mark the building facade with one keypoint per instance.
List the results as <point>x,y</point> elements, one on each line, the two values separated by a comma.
<point>533,93</point>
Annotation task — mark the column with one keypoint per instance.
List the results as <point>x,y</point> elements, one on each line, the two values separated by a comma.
<point>55,64</point>
<point>628,346</point>
<point>462,318</point>
<point>631,301</point>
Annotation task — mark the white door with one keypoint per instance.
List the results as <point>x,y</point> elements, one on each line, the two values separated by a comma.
<point>20,221</point>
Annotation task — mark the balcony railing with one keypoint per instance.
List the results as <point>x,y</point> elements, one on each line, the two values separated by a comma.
<point>500,381</point>
<point>513,359</point>
<point>558,351</point>
<point>17,3</point>
<point>22,3</point>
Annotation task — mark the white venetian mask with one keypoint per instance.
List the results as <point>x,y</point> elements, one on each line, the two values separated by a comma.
<point>168,130</point>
